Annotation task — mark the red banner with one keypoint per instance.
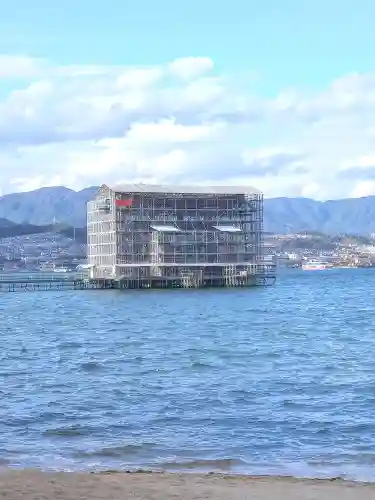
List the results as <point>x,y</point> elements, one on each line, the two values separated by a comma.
<point>124,203</point>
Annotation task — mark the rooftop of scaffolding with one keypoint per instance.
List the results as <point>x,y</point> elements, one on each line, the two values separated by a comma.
<point>189,189</point>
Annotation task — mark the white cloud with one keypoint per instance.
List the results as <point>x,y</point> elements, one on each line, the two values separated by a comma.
<point>189,68</point>
<point>143,77</point>
<point>365,188</point>
<point>80,125</point>
<point>168,131</point>
<point>19,66</point>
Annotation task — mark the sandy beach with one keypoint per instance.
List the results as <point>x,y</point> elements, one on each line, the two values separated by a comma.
<point>33,485</point>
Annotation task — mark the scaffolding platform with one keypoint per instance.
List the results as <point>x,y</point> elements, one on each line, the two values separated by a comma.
<point>144,236</point>
<point>265,275</point>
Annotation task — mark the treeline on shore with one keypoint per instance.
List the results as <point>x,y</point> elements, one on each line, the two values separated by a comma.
<point>10,229</point>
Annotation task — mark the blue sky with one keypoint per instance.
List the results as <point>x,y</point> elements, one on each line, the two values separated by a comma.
<point>280,94</point>
<point>303,43</point>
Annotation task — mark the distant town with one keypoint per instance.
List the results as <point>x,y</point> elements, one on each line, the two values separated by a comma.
<point>54,251</point>
<point>293,250</point>
<point>41,252</point>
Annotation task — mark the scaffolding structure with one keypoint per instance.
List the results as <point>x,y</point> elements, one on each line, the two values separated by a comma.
<point>144,236</point>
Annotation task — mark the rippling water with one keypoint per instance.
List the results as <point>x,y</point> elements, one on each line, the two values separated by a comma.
<point>274,380</point>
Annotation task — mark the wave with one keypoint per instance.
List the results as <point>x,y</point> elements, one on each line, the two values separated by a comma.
<point>90,366</point>
<point>206,465</point>
<point>122,451</point>
<point>73,430</point>
<point>70,345</point>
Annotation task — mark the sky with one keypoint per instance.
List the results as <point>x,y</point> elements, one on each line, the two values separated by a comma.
<point>279,95</point>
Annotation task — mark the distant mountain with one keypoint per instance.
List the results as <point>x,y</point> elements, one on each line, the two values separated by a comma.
<point>352,215</point>
<point>5,223</point>
<point>40,207</point>
<point>281,215</point>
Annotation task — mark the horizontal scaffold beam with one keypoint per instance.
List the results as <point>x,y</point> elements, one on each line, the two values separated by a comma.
<point>196,264</point>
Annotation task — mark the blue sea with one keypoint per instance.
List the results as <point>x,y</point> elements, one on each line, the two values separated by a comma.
<point>276,380</point>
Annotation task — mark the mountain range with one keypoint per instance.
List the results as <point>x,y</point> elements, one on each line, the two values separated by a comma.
<point>281,215</point>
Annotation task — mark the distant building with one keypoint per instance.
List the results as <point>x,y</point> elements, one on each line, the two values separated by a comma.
<point>367,249</point>
<point>292,256</point>
<point>148,235</point>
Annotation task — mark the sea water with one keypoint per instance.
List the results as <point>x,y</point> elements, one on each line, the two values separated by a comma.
<point>275,380</point>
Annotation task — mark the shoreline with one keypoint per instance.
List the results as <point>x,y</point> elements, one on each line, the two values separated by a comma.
<point>32,484</point>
